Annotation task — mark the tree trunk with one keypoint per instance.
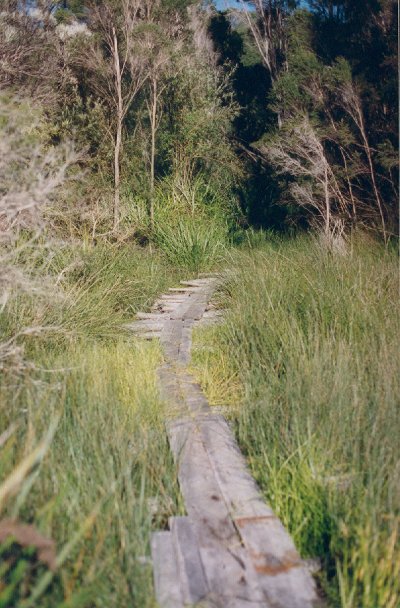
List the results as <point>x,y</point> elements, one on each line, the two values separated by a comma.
<point>327,204</point>
<point>372,172</point>
<point>349,184</point>
<point>118,134</point>
<point>358,117</point>
<point>153,123</point>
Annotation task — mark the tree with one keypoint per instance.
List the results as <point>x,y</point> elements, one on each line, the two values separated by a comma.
<point>116,71</point>
<point>206,109</point>
<point>30,52</point>
<point>298,152</point>
<point>269,31</point>
<point>160,51</point>
<point>349,100</point>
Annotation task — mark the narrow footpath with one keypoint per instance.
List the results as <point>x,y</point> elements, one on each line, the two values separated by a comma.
<point>230,550</point>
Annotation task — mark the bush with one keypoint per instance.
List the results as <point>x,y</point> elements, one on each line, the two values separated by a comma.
<point>190,226</point>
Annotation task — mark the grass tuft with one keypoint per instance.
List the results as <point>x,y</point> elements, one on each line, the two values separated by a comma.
<point>191,243</point>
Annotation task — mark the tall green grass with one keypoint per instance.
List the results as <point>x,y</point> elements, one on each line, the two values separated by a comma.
<point>84,458</point>
<point>310,350</point>
<point>192,243</point>
<point>90,291</point>
<point>191,224</point>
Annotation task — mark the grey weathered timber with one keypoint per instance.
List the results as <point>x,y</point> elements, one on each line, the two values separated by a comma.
<point>148,335</point>
<point>282,574</point>
<point>165,571</point>
<point>145,325</point>
<point>194,586</point>
<point>151,315</point>
<point>185,289</point>
<point>226,564</point>
<point>230,550</point>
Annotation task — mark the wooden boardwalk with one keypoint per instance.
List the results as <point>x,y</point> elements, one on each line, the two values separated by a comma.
<point>230,550</point>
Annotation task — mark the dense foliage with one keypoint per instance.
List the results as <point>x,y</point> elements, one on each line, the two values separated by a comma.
<point>287,112</point>
<point>318,118</point>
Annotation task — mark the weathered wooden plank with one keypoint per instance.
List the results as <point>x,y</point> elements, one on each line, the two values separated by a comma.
<point>193,582</point>
<point>194,282</point>
<point>171,338</point>
<point>185,344</point>
<point>160,304</point>
<point>196,309</point>
<point>202,495</point>
<point>171,393</point>
<point>228,569</point>
<point>173,298</point>
<point>170,311</point>
<point>240,491</point>
<point>192,394</point>
<point>173,384</point>
<point>173,329</point>
<point>296,589</point>
<point>229,574</point>
<point>283,577</point>
<point>201,282</point>
<point>167,583</point>
<point>151,315</point>
<point>149,335</point>
<point>144,325</point>
<point>184,289</point>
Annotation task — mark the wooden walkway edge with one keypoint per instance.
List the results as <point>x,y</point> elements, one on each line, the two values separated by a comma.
<point>230,550</point>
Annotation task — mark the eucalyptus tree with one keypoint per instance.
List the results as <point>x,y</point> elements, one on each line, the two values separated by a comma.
<point>268,26</point>
<point>115,69</point>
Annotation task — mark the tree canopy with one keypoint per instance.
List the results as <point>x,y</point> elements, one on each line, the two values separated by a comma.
<point>286,110</point>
